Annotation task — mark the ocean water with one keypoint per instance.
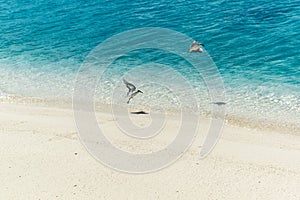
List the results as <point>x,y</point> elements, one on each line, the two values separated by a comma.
<point>254,44</point>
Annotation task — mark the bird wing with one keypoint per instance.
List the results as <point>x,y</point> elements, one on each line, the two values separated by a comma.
<point>130,86</point>
<point>194,46</point>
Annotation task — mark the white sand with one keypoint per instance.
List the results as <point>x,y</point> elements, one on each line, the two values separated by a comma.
<point>42,158</point>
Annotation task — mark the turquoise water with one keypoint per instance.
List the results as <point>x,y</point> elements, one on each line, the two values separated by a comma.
<point>255,45</point>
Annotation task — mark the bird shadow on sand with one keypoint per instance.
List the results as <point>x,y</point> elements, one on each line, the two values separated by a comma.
<point>219,103</point>
<point>139,113</point>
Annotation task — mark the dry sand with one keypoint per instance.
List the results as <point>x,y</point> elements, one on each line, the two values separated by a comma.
<point>42,158</point>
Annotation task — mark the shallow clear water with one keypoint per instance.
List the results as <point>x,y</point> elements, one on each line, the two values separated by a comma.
<point>255,45</point>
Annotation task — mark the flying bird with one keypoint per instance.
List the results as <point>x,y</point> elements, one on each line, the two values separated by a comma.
<point>131,90</point>
<point>196,47</point>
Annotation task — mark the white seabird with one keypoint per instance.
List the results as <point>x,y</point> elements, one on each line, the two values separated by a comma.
<point>131,93</point>
<point>196,47</point>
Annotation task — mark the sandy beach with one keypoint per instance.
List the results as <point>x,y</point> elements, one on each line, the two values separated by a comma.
<point>43,158</point>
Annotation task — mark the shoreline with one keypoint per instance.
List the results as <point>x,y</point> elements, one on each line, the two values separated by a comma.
<point>238,121</point>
